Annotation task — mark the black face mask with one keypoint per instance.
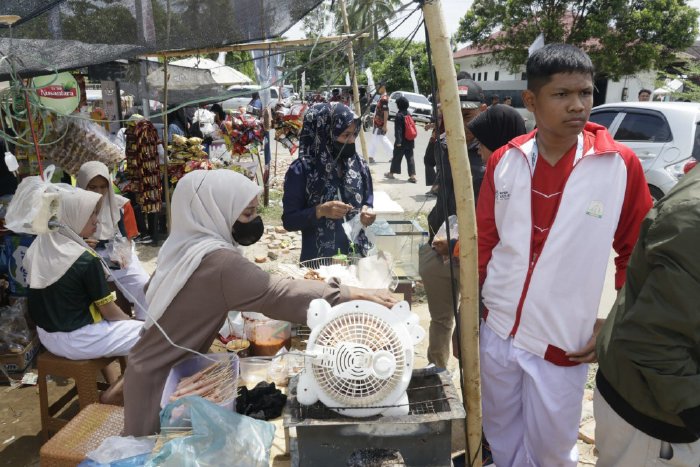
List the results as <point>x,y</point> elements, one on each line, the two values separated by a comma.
<point>343,151</point>
<point>247,233</point>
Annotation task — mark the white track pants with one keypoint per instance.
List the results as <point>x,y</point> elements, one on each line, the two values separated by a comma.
<point>103,339</point>
<point>531,407</point>
<point>380,139</point>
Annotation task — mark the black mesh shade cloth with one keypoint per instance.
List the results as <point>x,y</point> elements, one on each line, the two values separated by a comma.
<point>89,32</point>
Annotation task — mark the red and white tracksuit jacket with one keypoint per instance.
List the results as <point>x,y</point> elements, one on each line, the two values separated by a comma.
<point>548,302</point>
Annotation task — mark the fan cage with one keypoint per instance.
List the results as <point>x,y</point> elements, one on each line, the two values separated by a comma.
<point>368,330</point>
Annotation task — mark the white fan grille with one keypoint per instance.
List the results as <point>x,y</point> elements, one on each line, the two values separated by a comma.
<point>367,330</point>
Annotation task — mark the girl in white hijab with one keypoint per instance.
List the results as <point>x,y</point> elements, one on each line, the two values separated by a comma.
<point>69,299</point>
<point>115,218</point>
<point>201,275</point>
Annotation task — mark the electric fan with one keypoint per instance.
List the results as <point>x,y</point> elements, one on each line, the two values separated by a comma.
<point>359,357</point>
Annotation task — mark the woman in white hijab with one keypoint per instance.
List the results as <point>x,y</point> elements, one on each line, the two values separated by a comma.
<point>69,299</point>
<point>115,218</point>
<point>201,275</point>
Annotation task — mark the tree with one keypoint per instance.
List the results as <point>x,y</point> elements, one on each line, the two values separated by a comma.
<point>689,74</point>
<point>621,36</point>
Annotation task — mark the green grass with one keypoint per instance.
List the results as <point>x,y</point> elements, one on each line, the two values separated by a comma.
<point>272,214</point>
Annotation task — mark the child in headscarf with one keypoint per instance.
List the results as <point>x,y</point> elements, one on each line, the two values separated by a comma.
<point>202,274</point>
<point>328,184</point>
<point>69,300</point>
<point>115,218</point>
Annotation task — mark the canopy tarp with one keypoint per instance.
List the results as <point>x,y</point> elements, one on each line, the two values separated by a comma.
<point>220,74</point>
<point>100,31</point>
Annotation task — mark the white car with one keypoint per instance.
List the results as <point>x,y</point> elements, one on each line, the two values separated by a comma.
<point>243,95</point>
<point>664,135</point>
<point>418,105</point>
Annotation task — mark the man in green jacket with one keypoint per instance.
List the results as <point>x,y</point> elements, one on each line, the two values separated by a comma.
<point>647,403</point>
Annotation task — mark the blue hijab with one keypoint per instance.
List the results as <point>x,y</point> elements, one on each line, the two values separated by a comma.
<point>327,177</point>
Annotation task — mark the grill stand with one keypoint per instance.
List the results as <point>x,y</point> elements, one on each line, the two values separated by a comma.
<point>318,436</point>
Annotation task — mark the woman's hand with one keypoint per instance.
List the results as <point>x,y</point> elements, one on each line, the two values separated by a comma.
<point>92,243</point>
<point>367,216</point>
<point>380,296</point>
<point>332,210</point>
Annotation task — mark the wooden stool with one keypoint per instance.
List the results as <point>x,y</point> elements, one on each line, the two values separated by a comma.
<point>83,372</point>
<point>81,435</point>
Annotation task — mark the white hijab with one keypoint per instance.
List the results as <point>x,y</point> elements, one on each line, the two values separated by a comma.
<point>110,213</point>
<point>52,254</point>
<point>204,208</point>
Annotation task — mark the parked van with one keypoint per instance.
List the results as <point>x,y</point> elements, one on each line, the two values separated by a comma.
<point>243,95</point>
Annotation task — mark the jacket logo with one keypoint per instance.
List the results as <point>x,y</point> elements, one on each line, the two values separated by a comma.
<point>502,195</point>
<point>595,209</point>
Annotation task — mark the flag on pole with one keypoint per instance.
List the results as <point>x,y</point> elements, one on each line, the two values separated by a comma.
<point>371,89</point>
<point>537,44</point>
<point>413,75</point>
<point>347,79</point>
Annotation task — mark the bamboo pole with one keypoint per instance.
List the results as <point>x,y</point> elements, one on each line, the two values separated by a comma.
<point>281,44</point>
<point>165,142</point>
<point>353,78</point>
<point>464,195</point>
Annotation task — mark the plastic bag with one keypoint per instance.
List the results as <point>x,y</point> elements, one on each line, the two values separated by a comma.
<point>220,437</point>
<point>35,203</point>
<point>117,448</point>
<point>15,334</point>
<point>352,228</point>
<point>454,229</point>
<point>119,250</point>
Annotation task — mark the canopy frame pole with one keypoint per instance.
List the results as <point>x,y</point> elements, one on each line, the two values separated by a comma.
<point>166,158</point>
<point>464,196</point>
<point>353,78</point>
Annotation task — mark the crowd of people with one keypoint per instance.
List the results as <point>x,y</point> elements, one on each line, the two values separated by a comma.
<point>550,204</point>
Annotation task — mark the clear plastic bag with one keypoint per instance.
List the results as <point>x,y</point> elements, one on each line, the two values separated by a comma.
<point>119,448</point>
<point>220,437</point>
<point>119,249</point>
<point>15,334</point>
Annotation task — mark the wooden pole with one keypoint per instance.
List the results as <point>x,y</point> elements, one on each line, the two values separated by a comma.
<point>464,195</point>
<point>353,78</point>
<point>165,141</point>
<point>281,44</point>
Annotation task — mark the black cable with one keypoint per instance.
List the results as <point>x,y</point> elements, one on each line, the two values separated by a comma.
<point>437,152</point>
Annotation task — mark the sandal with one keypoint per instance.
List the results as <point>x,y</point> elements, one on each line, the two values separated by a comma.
<point>389,175</point>
<point>412,180</point>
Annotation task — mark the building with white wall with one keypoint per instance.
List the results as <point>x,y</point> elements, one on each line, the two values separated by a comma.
<point>495,78</point>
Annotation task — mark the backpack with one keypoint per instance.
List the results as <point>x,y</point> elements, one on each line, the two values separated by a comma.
<point>409,128</point>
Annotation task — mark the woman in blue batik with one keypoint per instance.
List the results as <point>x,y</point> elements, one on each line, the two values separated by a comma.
<point>328,184</point>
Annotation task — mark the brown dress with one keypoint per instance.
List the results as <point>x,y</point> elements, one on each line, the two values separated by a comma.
<point>224,281</point>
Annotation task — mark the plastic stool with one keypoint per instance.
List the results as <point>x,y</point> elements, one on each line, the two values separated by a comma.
<point>81,435</point>
<point>83,372</point>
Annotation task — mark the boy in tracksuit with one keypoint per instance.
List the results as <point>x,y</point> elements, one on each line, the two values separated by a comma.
<point>552,204</point>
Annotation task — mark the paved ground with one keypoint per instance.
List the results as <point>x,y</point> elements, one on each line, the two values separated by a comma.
<point>19,415</point>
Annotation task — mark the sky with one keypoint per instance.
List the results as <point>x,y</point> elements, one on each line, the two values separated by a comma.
<point>453,11</point>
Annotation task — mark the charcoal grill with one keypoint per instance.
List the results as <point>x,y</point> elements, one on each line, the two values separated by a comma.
<point>319,436</point>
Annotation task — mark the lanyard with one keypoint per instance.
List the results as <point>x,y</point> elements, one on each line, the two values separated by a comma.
<point>535,152</point>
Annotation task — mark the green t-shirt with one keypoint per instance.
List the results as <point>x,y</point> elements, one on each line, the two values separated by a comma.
<point>71,302</point>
